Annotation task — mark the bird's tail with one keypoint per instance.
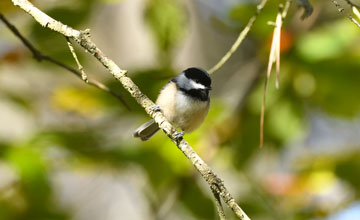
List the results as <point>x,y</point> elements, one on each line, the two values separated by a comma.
<point>147,130</point>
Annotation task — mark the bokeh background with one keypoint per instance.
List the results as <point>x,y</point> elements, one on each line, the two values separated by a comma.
<point>67,151</point>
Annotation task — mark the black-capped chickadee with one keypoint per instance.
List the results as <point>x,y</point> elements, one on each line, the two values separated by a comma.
<point>184,101</point>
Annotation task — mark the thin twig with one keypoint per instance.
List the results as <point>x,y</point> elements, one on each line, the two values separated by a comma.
<point>84,40</point>
<point>352,4</point>
<point>80,67</point>
<point>219,206</point>
<point>356,11</point>
<point>355,8</point>
<point>239,40</point>
<point>286,9</point>
<point>39,57</point>
<point>341,9</point>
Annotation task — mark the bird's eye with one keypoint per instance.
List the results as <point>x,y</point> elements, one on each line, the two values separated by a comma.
<point>197,81</point>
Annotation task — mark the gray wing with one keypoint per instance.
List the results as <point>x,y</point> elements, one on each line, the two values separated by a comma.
<point>147,130</point>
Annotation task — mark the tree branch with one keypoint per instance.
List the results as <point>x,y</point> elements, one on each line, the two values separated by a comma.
<point>352,4</point>
<point>80,67</point>
<point>83,38</point>
<point>39,57</point>
<point>286,9</point>
<point>341,9</point>
<point>239,40</point>
<point>219,206</point>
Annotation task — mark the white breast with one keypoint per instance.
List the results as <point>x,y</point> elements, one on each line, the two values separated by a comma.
<point>183,111</point>
<point>190,112</point>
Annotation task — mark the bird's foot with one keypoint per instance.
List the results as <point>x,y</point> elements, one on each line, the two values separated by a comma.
<point>179,135</point>
<point>155,108</point>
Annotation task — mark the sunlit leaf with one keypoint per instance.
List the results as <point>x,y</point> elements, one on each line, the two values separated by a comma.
<point>76,100</point>
<point>320,182</point>
<point>29,164</point>
<point>327,42</point>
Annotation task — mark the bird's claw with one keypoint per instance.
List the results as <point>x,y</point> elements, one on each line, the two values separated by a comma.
<point>179,135</point>
<point>155,108</point>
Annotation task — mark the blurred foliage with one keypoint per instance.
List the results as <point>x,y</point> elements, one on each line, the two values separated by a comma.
<point>7,6</point>
<point>34,200</point>
<point>73,15</point>
<point>81,102</point>
<point>349,170</point>
<point>330,41</point>
<point>166,19</point>
<point>89,128</point>
<point>189,189</point>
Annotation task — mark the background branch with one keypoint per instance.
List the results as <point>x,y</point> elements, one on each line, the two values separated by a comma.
<point>219,206</point>
<point>83,38</point>
<point>239,40</point>
<point>341,10</point>
<point>352,4</point>
<point>286,9</point>
<point>40,57</point>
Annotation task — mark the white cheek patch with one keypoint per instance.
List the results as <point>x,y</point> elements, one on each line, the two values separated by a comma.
<point>196,85</point>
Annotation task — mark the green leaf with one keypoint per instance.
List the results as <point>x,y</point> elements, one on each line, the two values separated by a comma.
<point>327,42</point>
<point>283,121</point>
<point>31,168</point>
<point>337,86</point>
<point>166,19</point>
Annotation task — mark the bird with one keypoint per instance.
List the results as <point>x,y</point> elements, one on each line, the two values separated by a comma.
<point>184,101</point>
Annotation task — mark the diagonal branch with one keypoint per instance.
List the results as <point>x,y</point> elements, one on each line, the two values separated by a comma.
<point>83,38</point>
<point>219,206</point>
<point>355,8</point>
<point>341,9</point>
<point>39,57</point>
<point>239,40</point>
<point>352,4</point>
<point>80,67</point>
